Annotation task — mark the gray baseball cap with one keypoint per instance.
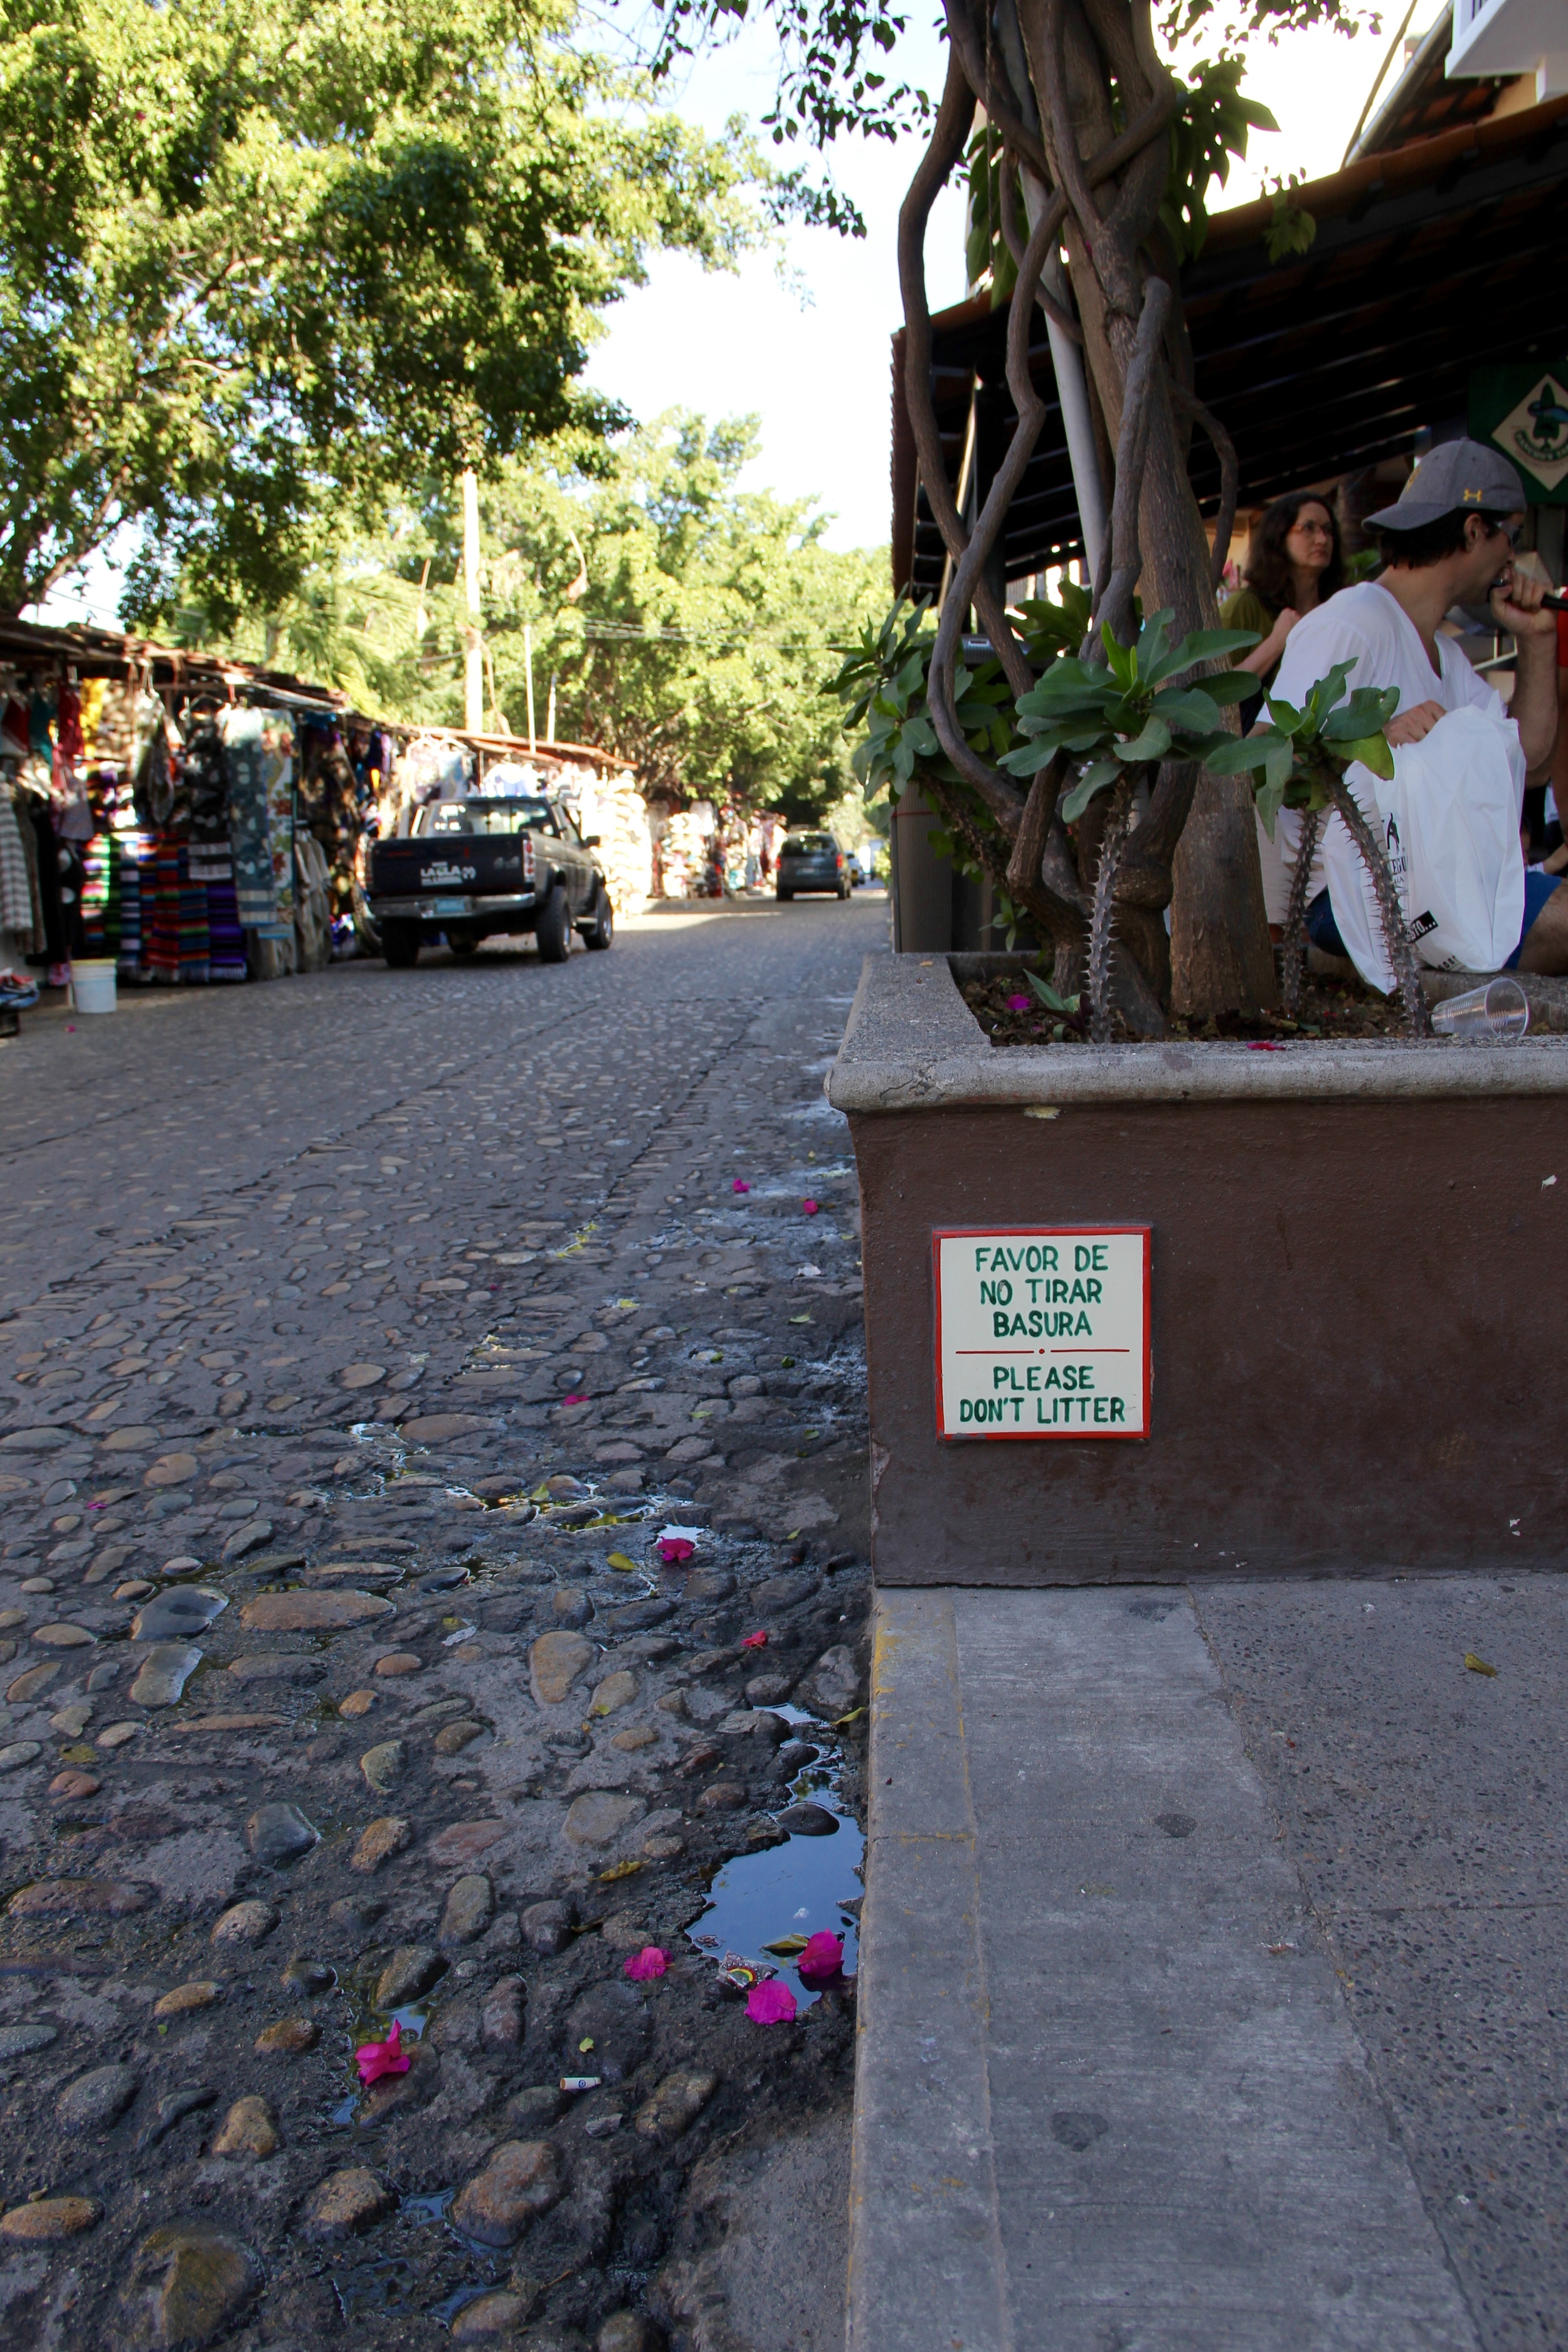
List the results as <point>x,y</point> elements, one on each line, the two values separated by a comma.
<point>1455,474</point>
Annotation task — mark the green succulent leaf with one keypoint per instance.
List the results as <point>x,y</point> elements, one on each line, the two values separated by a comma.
<point>1367,712</point>
<point>1048,994</point>
<point>1030,758</point>
<point>1152,742</point>
<point>1204,748</point>
<point>1240,755</point>
<point>1270,800</point>
<point>1121,660</point>
<point>1094,779</point>
<point>1184,711</point>
<point>1323,695</point>
<point>1153,642</point>
<point>1206,644</point>
<point>1225,684</point>
<point>1372,751</point>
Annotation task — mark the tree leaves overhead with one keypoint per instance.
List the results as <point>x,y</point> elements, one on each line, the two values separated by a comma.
<point>260,253</point>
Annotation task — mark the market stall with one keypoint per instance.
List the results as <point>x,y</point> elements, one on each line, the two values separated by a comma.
<point>180,818</point>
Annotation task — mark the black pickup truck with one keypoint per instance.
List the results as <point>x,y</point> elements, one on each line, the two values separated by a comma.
<point>478,868</point>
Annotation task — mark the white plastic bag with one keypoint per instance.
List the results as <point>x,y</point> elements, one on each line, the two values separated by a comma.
<point>1449,818</point>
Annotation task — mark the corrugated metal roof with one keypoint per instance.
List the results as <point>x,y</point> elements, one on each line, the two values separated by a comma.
<point>1427,261</point>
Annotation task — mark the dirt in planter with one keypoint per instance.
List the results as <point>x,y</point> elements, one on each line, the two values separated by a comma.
<point>1329,1008</point>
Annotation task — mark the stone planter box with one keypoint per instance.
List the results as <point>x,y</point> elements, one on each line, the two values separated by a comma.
<point>1357,1258</point>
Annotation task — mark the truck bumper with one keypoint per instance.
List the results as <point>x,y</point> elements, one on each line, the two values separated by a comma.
<point>515,910</point>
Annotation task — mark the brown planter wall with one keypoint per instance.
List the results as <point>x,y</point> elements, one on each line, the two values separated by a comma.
<point>1357,1299</point>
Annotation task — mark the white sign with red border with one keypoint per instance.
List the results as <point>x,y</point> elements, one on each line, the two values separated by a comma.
<point>1042,1331</point>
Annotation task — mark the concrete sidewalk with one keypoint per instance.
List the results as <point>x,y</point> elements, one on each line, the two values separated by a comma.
<point>1109,2097</point>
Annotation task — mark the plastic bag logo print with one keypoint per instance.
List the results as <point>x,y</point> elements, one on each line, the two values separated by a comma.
<point>1043,1331</point>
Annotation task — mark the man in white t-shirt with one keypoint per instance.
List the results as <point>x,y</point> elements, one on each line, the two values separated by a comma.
<point>1448,540</point>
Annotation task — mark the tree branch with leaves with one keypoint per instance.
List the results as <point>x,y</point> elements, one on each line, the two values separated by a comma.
<point>1092,139</point>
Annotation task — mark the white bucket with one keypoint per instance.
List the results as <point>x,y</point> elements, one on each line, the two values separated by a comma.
<point>92,984</point>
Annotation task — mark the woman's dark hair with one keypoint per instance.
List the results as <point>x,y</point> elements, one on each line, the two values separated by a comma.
<point>1431,541</point>
<point>1267,570</point>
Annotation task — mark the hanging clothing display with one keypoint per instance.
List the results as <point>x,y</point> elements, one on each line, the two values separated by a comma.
<point>15,881</point>
<point>249,839</point>
<point>194,820</point>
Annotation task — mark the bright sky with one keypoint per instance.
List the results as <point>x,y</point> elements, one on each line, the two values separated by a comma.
<point>802,339</point>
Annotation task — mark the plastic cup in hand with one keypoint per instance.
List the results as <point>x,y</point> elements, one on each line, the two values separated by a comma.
<point>1497,1014</point>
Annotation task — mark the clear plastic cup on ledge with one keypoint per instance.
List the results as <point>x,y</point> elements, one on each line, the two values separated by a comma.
<point>1495,1015</point>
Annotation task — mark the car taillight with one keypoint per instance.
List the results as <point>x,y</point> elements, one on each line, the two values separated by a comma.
<point>528,857</point>
<point>838,861</point>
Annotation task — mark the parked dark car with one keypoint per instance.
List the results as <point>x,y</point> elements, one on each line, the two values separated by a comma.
<point>473,870</point>
<point>812,861</point>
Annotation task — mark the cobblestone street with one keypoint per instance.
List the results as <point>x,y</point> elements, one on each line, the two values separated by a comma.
<point>362,1336</point>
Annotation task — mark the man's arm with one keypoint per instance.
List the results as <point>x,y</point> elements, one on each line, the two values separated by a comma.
<point>1533,705</point>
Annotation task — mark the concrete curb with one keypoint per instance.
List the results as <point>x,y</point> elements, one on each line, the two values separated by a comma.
<point>924,2243</point>
<point>1107,2092</point>
<point>913,1043</point>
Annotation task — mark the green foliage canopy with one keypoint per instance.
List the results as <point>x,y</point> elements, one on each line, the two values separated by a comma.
<point>257,253</point>
<point>689,623</point>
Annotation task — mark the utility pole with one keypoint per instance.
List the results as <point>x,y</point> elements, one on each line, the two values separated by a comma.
<point>473,639</point>
<point>528,664</point>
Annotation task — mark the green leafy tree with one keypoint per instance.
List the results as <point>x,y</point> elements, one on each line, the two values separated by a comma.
<point>688,624</point>
<point>265,257</point>
<point>1100,150</point>
<point>1099,726</point>
<point>707,619</point>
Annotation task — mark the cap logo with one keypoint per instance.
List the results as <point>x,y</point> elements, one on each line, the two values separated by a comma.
<point>1468,495</point>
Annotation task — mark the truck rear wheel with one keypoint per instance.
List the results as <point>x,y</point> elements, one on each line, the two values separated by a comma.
<point>553,931</point>
<point>400,945</point>
<point>601,931</point>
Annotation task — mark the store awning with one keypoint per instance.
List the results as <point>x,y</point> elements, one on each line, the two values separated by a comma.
<point>95,652</point>
<point>1426,262</point>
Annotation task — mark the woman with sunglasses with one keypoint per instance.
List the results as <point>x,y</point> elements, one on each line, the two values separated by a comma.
<point>1293,565</point>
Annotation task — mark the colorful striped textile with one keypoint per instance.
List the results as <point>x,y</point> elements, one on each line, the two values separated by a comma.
<point>195,954</point>
<point>97,856</point>
<point>225,932</point>
<point>130,851</point>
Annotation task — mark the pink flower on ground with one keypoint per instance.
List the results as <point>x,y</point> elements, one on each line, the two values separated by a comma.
<point>578,1396</point>
<point>644,1966</point>
<point>675,1550</point>
<point>823,1955</point>
<point>772,2003</point>
<point>811,1207</point>
<point>378,2058</point>
<point>754,1640</point>
<point>739,1185</point>
<point>1018,1003</point>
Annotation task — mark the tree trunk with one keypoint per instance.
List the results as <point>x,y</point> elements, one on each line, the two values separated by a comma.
<point>1046,70</point>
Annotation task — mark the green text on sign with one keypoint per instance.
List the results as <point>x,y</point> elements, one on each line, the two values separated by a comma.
<point>1043,1331</point>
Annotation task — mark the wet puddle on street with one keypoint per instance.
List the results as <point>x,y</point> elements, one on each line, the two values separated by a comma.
<point>797,1889</point>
